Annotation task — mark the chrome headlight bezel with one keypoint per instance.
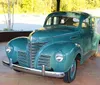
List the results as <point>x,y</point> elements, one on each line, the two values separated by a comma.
<point>59,57</point>
<point>8,49</point>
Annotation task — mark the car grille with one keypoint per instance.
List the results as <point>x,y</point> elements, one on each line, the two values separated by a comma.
<point>22,58</point>
<point>44,60</point>
<point>33,49</point>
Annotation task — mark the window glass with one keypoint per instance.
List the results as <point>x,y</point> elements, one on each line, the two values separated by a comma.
<point>85,23</point>
<point>98,25</point>
<point>70,21</point>
<point>48,21</point>
<point>60,20</point>
<point>93,22</point>
<point>55,20</point>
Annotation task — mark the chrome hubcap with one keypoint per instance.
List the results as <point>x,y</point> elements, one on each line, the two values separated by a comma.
<point>73,69</point>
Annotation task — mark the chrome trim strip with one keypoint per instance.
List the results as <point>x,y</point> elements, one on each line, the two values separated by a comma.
<point>30,53</point>
<point>43,70</point>
<point>36,71</point>
<point>10,62</point>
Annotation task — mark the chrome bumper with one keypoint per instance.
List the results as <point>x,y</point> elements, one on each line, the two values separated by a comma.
<point>35,71</point>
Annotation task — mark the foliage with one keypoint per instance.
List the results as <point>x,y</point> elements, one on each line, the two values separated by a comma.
<point>7,29</point>
<point>78,5</point>
<point>47,6</point>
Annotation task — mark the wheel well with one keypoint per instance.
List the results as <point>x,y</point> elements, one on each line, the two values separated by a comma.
<point>78,57</point>
<point>99,41</point>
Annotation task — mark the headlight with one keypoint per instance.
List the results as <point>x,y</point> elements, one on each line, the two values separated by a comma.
<point>8,49</point>
<point>59,57</point>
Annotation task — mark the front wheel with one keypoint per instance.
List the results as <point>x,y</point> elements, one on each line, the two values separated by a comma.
<point>71,74</point>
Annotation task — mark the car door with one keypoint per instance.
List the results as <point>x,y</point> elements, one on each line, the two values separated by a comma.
<point>87,36</point>
<point>94,33</point>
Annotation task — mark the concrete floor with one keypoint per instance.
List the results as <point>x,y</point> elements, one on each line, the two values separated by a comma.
<point>87,74</point>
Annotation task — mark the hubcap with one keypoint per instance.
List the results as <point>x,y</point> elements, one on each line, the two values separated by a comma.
<point>73,69</point>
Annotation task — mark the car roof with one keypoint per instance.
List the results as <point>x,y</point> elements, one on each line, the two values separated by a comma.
<point>69,13</point>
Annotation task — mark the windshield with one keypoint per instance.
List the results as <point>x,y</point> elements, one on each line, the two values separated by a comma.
<point>62,20</point>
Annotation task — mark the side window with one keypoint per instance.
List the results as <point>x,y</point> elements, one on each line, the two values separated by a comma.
<point>93,22</point>
<point>98,25</point>
<point>85,23</point>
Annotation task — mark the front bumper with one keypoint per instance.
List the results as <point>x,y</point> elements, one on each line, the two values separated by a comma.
<point>34,71</point>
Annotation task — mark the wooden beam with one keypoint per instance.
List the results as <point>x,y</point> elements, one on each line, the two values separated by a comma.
<point>58,5</point>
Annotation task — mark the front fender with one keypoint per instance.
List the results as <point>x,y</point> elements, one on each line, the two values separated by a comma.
<point>69,51</point>
<point>19,43</point>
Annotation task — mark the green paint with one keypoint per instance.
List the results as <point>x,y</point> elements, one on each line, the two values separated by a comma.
<point>78,38</point>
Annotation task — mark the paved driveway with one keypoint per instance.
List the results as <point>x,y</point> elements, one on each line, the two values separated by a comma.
<point>87,74</point>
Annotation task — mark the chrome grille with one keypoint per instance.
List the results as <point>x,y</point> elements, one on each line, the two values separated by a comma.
<point>33,49</point>
<point>44,60</point>
<point>22,58</point>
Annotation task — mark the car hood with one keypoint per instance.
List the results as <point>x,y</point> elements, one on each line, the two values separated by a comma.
<point>52,34</point>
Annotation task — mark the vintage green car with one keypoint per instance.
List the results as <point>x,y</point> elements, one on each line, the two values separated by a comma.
<point>66,37</point>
